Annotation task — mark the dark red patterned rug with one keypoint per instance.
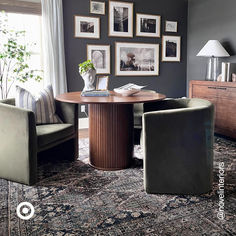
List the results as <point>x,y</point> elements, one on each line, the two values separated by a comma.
<point>75,199</point>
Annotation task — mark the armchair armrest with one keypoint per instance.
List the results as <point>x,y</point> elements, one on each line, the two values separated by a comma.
<point>18,145</point>
<point>68,112</point>
<point>9,101</point>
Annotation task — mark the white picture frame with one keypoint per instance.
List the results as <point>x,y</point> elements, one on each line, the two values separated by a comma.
<point>148,25</point>
<point>100,57</point>
<point>120,19</point>
<point>171,48</point>
<point>86,27</point>
<point>171,26</point>
<point>136,59</point>
<point>102,82</point>
<point>97,7</point>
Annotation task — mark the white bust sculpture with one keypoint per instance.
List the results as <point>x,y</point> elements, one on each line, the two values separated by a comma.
<point>89,78</point>
<point>88,73</point>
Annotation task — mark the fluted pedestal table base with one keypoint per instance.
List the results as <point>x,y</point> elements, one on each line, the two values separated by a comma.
<point>110,135</point>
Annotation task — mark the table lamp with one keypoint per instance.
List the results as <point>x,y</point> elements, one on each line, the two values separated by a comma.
<point>213,49</point>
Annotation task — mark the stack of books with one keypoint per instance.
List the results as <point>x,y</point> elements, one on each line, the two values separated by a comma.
<point>95,93</point>
<point>228,73</point>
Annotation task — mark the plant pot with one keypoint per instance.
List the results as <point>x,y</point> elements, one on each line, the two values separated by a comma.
<point>89,78</point>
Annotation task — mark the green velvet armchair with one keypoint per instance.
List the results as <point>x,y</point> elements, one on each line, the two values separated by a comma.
<point>178,146</point>
<point>22,141</point>
<point>138,112</point>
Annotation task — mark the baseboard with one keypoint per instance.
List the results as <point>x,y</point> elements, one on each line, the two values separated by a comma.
<point>83,123</point>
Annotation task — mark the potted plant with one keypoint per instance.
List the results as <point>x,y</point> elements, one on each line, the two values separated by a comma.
<point>13,58</point>
<point>88,73</point>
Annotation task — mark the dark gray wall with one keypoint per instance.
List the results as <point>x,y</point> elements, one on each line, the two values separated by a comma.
<point>209,19</point>
<point>172,78</point>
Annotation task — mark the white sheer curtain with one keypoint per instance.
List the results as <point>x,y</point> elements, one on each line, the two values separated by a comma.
<point>53,45</point>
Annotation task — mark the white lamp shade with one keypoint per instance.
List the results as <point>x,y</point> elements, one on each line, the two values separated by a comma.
<point>213,48</point>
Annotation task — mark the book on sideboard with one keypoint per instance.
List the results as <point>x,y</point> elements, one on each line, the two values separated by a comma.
<point>228,72</point>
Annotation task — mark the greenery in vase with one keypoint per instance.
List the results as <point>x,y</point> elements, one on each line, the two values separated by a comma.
<point>85,67</point>
<point>13,58</point>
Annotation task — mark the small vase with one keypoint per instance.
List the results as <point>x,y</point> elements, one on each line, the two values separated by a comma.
<point>89,78</point>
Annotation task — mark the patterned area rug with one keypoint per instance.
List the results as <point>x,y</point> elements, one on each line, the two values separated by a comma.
<point>75,199</point>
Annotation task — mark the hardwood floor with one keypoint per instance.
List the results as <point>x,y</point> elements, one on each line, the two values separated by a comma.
<point>83,133</point>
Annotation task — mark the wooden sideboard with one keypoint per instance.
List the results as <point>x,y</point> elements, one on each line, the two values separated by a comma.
<point>223,96</point>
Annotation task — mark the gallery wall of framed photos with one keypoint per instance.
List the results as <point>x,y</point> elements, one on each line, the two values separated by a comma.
<point>147,25</point>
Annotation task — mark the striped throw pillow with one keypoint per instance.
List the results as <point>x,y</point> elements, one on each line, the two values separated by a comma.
<point>43,105</point>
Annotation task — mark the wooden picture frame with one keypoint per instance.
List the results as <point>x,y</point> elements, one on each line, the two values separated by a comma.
<point>97,7</point>
<point>100,56</point>
<point>148,25</point>
<point>136,59</point>
<point>171,26</point>
<point>102,83</point>
<point>171,48</point>
<point>86,27</point>
<point>117,27</point>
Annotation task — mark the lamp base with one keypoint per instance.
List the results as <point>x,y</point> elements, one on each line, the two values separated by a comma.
<point>213,69</point>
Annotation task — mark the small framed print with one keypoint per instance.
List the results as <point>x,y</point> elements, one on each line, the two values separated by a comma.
<point>148,25</point>
<point>137,59</point>
<point>171,48</point>
<point>100,57</point>
<point>171,26</point>
<point>87,27</point>
<point>97,7</point>
<point>102,83</point>
<point>120,19</point>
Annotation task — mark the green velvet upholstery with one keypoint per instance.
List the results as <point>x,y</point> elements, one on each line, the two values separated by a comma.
<point>138,112</point>
<point>178,146</point>
<point>22,141</point>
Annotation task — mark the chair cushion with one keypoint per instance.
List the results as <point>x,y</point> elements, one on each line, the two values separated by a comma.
<point>51,133</point>
<point>42,104</point>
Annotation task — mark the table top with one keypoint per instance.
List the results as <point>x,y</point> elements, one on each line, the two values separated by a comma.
<point>141,97</point>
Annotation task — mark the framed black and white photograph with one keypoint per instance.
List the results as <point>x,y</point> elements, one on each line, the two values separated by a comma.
<point>171,48</point>
<point>97,7</point>
<point>102,82</point>
<point>120,19</point>
<point>87,27</point>
<point>100,57</point>
<point>137,59</point>
<point>148,25</point>
<point>171,26</point>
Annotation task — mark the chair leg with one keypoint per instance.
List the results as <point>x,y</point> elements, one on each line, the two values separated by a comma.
<point>137,135</point>
<point>76,148</point>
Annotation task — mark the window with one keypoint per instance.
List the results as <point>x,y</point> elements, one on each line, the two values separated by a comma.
<point>31,24</point>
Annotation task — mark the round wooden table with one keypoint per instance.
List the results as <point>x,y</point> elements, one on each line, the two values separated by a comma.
<point>110,126</point>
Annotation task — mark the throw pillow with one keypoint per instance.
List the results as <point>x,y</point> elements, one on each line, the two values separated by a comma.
<point>43,104</point>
